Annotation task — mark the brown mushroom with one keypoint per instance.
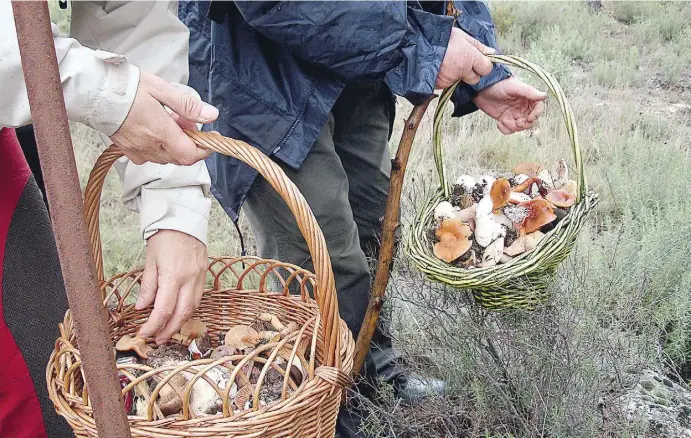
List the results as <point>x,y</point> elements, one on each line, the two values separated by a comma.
<point>193,328</point>
<point>269,336</point>
<point>525,185</point>
<point>169,401</point>
<point>136,344</point>
<point>500,193</point>
<point>241,337</point>
<point>453,240</point>
<point>273,319</point>
<point>290,328</point>
<point>561,198</point>
<point>243,396</point>
<point>540,212</point>
<point>571,186</point>
<point>530,169</point>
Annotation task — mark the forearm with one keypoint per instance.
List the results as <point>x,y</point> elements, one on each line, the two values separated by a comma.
<point>99,87</point>
<point>152,37</point>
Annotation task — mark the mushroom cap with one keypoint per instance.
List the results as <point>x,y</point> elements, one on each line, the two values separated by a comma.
<point>561,198</point>
<point>273,319</point>
<point>524,243</point>
<point>571,186</point>
<point>559,173</point>
<point>453,240</point>
<point>467,182</point>
<point>527,168</point>
<point>527,184</point>
<point>241,337</point>
<point>243,396</point>
<point>500,193</point>
<point>193,327</point>
<point>136,344</point>
<point>540,212</point>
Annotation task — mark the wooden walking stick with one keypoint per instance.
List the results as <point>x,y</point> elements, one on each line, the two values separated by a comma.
<point>391,217</point>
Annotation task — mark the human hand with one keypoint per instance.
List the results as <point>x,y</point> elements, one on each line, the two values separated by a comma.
<point>173,280</point>
<point>464,59</point>
<point>150,133</point>
<point>514,104</point>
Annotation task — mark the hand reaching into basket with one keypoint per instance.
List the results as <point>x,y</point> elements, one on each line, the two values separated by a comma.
<point>515,105</point>
<point>173,281</point>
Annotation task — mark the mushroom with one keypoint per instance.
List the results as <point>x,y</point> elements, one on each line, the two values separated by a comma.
<point>527,184</point>
<point>520,178</point>
<point>488,182</point>
<point>444,210</point>
<point>524,243</point>
<point>540,212</point>
<point>136,344</point>
<point>453,240</point>
<point>487,228</point>
<point>546,178</point>
<point>273,319</point>
<point>193,328</point>
<point>492,253</point>
<point>518,198</point>
<point>505,258</point>
<point>242,398</point>
<point>561,198</point>
<point>169,401</point>
<point>241,337</point>
<point>467,216</point>
<point>500,193</point>
<point>530,169</point>
<point>571,186</point>
<point>289,328</point>
<point>204,398</point>
<point>467,182</point>
<point>269,336</point>
<point>559,173</point>
<point>516,213</point>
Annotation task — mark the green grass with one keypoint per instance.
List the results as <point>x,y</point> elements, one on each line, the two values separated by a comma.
<point>620,303</point>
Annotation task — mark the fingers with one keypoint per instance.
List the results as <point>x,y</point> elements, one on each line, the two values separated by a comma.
<point>179,145</point>
<point>184,308</point>
<point>164,307</point>
<point>536,112</point>
<point>149,285</point>
<point>186,105</point>
<point>478,45</point>
<point>503,129</point>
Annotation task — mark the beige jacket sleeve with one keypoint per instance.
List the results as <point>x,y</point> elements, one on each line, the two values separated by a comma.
<point>98,86</point>
<point>150,35</point>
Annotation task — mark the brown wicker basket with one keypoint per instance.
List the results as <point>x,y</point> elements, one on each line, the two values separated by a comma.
<point>240,289</point>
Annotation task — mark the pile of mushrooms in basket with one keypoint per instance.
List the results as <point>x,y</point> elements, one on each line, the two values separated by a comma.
<point>490,220</point>
<point>193,342</point>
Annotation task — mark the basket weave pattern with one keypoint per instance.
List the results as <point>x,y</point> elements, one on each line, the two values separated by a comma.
<point>521,282</point>
<point>239,289</point>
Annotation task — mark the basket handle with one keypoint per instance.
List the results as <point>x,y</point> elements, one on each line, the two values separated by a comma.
<point>559,95</point>
<point>325,289</point>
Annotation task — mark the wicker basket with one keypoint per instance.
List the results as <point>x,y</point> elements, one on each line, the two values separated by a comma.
<point>520,283</point>
<point>240,289</point>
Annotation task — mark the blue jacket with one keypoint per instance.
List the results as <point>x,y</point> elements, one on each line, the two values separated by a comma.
<point>274,69</point>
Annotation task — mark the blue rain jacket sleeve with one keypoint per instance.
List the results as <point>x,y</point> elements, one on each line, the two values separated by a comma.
<point>476,20</point>
<point>359,40</point>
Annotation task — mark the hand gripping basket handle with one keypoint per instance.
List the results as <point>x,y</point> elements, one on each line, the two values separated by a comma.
<point>325,291</point>
<point>560,97</point>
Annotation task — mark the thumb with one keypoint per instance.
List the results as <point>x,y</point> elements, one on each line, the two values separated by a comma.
<point>478,45</point>
<point>521,89</point>
<point>187,105</point>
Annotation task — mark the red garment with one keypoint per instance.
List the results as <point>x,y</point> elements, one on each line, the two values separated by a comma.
<point>20,411</point>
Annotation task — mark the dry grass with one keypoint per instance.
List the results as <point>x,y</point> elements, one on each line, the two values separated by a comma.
<point>621,302</point>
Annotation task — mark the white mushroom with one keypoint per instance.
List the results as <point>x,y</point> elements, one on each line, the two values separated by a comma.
<point>492,254</point>
<point>444,210</point>
<point>546,177</point>
<point>518,197</point>
<point>467,182</point>
<point>524,243</point>
<point>505,258</point>
<point>520,178</point>
<point>487,228</point>
<point>488,181</point>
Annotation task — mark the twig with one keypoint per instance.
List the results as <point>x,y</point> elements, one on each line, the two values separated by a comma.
<point>391,218</point>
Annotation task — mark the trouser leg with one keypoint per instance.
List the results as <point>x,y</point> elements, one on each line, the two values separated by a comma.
<point>324,184</point>
<point>364,118</point>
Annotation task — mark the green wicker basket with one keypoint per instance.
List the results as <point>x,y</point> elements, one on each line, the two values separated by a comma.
<point>520,283</point>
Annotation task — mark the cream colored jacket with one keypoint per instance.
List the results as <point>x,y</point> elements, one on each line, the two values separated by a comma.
<point>99,88</point>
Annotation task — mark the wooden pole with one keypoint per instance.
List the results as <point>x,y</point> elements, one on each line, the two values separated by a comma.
<point>391,217</point>
<point>54,142</point>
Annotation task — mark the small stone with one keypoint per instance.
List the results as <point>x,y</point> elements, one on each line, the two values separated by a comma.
<point>667,382</point>
<point>648,384</point>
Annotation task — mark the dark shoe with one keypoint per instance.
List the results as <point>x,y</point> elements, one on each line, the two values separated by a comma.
<point>412,388</point>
